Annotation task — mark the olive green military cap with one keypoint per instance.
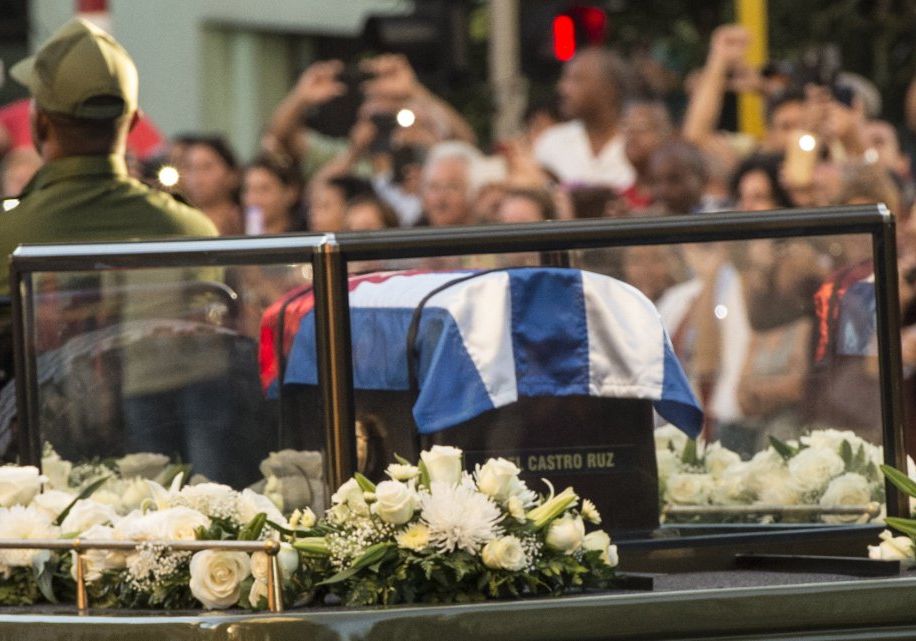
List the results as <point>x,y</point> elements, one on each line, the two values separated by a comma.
<point>81,71</point>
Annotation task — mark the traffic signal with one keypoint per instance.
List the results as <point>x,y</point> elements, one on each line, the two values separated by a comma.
<point>553,31</point>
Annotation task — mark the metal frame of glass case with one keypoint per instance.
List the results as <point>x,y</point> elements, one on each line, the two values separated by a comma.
<point>330,255</point>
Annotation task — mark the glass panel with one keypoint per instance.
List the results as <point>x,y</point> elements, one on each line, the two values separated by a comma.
<point>167,361</point>
<point>776,337</point>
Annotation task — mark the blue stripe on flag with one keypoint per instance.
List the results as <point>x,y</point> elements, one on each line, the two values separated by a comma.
<point>451,389</point>
<point>549,332</point>
<point>678,405</point>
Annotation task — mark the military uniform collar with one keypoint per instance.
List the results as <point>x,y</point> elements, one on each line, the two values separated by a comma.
<point>75,168</point>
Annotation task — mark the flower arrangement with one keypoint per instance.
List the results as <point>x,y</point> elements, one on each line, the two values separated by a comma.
<point>898,548</point>
<point>825,468</point>
<point>433,532</point>
<point>437,533</point>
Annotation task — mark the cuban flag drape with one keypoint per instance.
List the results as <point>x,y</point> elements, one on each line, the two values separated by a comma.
<point>485,339</point>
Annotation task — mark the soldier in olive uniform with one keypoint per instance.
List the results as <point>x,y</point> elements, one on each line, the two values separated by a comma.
<point>84,87</point>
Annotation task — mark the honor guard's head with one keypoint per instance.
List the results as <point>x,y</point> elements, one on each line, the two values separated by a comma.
<point>81,72</point>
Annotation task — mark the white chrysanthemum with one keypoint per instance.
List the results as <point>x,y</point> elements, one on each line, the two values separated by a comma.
<point>590,512</point>
<point>459,517</point>
<point>19,522</point>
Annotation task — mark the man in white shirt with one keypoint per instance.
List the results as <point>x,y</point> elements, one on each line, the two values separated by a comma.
<point>590,147</point>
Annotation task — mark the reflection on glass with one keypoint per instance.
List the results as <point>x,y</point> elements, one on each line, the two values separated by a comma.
<point>166,361</point>
<point>777,338</point>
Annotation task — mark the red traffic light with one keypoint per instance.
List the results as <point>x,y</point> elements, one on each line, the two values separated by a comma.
<point>564,37</point>
<point>577,26</point>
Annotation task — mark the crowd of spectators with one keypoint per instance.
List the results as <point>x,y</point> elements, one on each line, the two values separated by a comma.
<point>606,146</point>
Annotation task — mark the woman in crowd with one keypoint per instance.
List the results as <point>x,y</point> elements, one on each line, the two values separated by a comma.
<point>271,190</point>
<point>210,179</point>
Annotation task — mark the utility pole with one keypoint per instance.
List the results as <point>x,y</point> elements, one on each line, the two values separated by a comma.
<point>752,15</point>
<point>506,81</point>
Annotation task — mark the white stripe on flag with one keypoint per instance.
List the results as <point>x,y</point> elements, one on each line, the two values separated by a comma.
<point>625,340</point>
<point>482,309</point>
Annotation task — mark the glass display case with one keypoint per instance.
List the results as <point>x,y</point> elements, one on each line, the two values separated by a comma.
<point>588,353</point>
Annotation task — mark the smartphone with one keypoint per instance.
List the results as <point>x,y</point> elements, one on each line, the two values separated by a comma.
<point>385,124</point>
<point>801,157</point>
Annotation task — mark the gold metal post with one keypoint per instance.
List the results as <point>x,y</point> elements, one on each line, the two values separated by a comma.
<point>274,579</point>
<point>82,598</point>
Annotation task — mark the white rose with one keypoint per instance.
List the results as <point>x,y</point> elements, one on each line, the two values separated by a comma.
<point>689,489</point>
<point>565,534</point>
<point>135,492</point>
<point>831,439</point>
<point>443,464</point>
<point>812,468</point>
<point>765,461</point>
<point>504,553</point>
<point>670,435</point>
<point>350,494</point>
<point>250,504</point>
<point>400,472</point>
<point>86,513</point>
<point>732,486</point>
<point>19,522</point>
<point>777,487</point>
<point>19,485</point>
<point>95,562</point>
<point>495,478</point>
<point>53,502</point>
<point>892,548</point>
<point>216,577</point>
<point>287,556</point>
<point>601,541</point>
<point>394,502</point>
<point>719,459</point>
<point>107,496</point>
<point>57,470</point>
<point>668,463</point>
<point>147,465</point>
<point>174,523</point>
<point>847,489</point>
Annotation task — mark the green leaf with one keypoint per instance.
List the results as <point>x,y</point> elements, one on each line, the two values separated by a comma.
<point>689,457</point>
<point>171,471</point>
<point>364,484</point>
<point>846,453</point>
<point>343,575</point>
<point>253,529</point>
<point>903,482</point>
<point>289,532</point>
<point>907,526</point>
<point>86,493</point>
<point>424,474</point>
<point>400,459</point>
<point>373,554</point>
<point>43,580</point>
<point>785,450</point>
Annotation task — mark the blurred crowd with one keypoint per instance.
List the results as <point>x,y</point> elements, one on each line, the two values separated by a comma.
<point>607,144</point>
